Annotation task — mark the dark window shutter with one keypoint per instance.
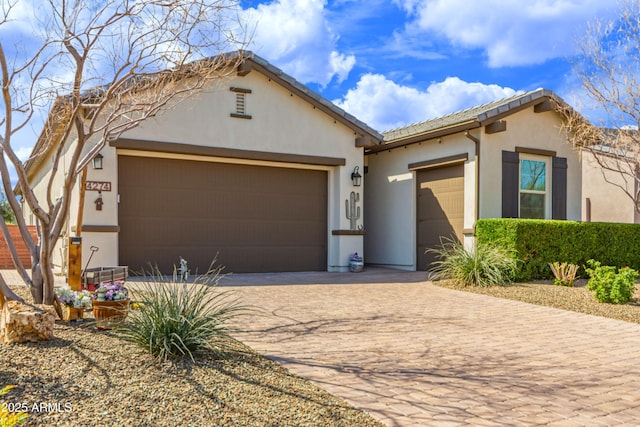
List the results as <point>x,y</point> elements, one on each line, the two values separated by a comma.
<point>510,180</point>
<point>559,188</point>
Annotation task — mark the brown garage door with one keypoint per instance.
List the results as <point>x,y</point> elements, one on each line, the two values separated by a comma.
<point>440,210</point>
<point>256,218</point>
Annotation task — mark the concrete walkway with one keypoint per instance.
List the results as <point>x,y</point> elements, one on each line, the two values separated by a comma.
<point>413,354</point>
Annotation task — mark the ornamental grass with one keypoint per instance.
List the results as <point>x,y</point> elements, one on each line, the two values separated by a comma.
<point>484,265</point>
<point>175,319</point>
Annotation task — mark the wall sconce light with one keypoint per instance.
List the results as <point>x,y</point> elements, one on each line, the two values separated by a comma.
<point>97,161</point>
<point>356,178</point>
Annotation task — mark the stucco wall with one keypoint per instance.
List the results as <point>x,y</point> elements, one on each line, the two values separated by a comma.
<point>530,130</point>
<point>280,123</point>
<point>390,218</point>
<point>390,198</point>
<point>609,202</point>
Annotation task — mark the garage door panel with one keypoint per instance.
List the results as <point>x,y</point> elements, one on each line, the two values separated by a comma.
<point>257,218</point>
<point>440,209</point>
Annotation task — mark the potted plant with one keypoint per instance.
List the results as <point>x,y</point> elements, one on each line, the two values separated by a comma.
<point>356,264</point>
<point>110,304</point>
<point>70,304</point>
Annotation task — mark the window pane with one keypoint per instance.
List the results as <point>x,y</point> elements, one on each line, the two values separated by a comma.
<point>533,175</point>
<point>532,205</point>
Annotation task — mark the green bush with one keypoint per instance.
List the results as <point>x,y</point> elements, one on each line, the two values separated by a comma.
<point>610,284</point>
<point>540,242</point>
<point>485,265</point>
<point>175,319</point>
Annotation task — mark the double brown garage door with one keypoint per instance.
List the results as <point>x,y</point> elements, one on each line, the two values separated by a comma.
<point>254,218</point>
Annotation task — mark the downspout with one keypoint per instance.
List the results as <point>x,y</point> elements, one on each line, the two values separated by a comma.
<point>477,183</point>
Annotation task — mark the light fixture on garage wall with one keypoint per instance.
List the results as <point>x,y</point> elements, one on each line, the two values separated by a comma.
<point>356,178</point>
<point>97,161</point>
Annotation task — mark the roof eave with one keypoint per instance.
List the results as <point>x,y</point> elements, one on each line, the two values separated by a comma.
<point>425,136</point>
<point>514,106</point>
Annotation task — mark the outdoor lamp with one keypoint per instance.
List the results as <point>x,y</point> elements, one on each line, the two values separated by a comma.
<point>356,178</point>
<point>97,161</point>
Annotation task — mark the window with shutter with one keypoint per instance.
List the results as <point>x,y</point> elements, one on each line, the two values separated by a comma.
<point>533,186</point>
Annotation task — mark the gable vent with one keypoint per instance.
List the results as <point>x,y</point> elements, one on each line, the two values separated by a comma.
<point>241,103</point>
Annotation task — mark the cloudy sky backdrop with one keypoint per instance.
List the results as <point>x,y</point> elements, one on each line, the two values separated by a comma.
<point>396,62</point>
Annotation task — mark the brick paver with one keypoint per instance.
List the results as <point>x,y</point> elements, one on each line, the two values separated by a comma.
<point>414,354</point>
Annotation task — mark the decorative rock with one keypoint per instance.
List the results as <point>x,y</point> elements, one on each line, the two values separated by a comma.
<point>21,322</point>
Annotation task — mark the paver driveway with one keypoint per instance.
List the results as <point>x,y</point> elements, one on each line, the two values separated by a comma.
<point>413,354</point>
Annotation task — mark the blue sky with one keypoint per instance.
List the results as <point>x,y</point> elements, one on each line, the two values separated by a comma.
<point>396,62</point>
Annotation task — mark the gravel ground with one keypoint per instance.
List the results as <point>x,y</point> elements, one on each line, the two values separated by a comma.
<point>88,377</point>
<point>577,298</point>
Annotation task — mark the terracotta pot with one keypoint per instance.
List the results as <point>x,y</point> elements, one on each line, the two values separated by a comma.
<point>110,314</point>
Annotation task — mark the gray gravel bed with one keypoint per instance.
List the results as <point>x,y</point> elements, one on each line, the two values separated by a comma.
<point>577,298</point>
<point>89,377</point>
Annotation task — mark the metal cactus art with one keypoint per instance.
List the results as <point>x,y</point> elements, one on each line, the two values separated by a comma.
<point>353,211</point>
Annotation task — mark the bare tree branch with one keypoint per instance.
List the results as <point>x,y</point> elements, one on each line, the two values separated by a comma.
<point>609,71</point>
<point>101,69</point>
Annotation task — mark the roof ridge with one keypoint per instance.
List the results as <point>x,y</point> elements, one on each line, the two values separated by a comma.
<point>474,113</point>
<point>475,107</point>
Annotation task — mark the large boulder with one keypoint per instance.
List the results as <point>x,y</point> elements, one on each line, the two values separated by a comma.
<point>21,322</point>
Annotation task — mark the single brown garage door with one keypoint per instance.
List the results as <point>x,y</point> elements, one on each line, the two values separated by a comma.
<point>256,218</point>
<point>440,209</point>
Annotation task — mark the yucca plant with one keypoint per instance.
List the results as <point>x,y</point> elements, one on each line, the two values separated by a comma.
<point>484,265</point>
<point>565,273</point>
<point>176,319</point>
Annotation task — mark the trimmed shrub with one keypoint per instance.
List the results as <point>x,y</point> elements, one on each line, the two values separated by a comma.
<point>610,284</point>
<point>176,319</point>
<point>540,242</point>
<point>485,265</point>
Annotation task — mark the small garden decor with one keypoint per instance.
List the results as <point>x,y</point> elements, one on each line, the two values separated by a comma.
<point>356,264</point>
<point>110,304</point>
<point>70,304</point>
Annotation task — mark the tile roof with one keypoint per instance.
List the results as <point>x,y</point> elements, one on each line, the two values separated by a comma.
<point>479,114</point>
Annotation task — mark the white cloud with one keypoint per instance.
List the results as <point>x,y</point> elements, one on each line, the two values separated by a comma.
<point>296,36</point>
<point>511,32</point>
<point>384,104</point>
<point>21,17</point>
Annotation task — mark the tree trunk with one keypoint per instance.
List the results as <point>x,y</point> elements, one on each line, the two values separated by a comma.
<point>48,280</point>
<point>36,283</point>
<point>42,278</point>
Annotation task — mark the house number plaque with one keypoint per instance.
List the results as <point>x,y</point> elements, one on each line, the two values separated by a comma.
<point>98,186</point>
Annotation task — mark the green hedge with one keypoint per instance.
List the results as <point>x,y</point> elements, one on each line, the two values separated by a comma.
<point>539,242</point>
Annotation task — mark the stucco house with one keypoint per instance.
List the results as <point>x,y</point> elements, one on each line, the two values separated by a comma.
<point>505,159</point>
<point>255,172</point>
<point>607,191</point>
